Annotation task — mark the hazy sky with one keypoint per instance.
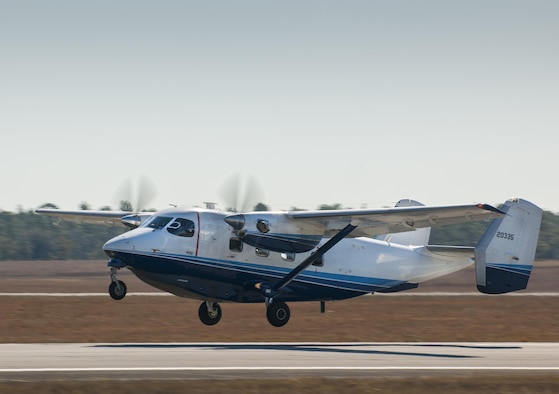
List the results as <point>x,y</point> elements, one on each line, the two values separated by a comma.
<point>350,102</point>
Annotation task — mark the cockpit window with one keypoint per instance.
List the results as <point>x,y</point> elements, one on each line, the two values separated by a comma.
<point>158,222</point>
<point>181,227</point>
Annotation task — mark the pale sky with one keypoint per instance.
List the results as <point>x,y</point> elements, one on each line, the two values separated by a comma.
<point>360,103</point>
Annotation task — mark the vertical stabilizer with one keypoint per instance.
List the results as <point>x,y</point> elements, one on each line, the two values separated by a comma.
<point>505,253</point>
<point>419,237</point>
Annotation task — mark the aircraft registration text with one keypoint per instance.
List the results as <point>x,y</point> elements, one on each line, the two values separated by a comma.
<point>503,235</point>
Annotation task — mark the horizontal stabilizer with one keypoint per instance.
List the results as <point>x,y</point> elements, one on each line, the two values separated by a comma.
<point>416,237</point>
<point>452,251</point>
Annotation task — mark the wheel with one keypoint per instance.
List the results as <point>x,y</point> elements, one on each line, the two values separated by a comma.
<point>209,318</point>
<point>117,290</point>
<point>278,314</point>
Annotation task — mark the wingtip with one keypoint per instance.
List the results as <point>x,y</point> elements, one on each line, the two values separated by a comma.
<point>490,208</point>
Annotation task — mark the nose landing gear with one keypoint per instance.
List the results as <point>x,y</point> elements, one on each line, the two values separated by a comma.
<point>117,288</point>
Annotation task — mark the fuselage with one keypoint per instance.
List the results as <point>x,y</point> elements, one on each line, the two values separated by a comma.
<point>195,253</point>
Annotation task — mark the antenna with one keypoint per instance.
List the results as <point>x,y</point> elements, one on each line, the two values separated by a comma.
<point>210,205</point>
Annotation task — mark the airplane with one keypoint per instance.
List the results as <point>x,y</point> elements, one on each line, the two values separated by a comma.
<point>276,257</point>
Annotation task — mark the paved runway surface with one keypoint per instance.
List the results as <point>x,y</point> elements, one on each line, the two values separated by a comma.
<point>230,360</point>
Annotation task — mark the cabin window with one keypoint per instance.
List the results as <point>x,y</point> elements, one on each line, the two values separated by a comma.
<point>262,252</point>
<point>158,222</point>
<point>181,227</point>
<point>235,244</point>
<point>289,256</point>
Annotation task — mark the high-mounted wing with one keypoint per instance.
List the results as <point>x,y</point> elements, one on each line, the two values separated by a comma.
<point>129,219</point>
<point>395,220</point>
<point>301,231</point>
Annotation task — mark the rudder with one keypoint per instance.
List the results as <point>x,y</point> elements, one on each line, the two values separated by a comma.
<point>504,256</point>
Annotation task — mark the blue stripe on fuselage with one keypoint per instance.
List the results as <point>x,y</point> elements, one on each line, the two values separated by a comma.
<point>262,272</point>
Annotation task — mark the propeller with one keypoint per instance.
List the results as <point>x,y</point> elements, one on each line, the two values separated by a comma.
<point>241,193</point>
<point>137,198</point>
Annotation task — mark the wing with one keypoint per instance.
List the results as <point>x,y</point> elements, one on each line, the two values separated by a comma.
<point>129,219</point>
<point>301,231</point>
<point>372,222</point>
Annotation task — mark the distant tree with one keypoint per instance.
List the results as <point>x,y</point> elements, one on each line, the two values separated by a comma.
<point>106,208</point>
<point>125,205</point>
<point>463,234</point>
<point>548,239</point>
<point>85,206</point>
<point>261,207</point>
<point>49,205</point>
<point>326,207</point>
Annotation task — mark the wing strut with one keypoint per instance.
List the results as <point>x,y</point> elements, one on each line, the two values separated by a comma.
<point>270,292</point>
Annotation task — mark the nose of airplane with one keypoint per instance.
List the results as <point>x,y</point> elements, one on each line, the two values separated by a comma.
<point>135,241</point>
<point>117,243</point>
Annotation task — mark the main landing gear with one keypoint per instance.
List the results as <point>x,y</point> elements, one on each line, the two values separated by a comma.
<point>117,288</point>
<point>209,313</point>
<point>277,313</point>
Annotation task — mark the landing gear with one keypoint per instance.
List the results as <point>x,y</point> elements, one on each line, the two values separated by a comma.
<point>209,313</point>
<point>117,288</point>
<point>278,313</point>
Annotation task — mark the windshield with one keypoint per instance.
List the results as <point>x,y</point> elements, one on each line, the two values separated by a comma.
<point>158,222</point>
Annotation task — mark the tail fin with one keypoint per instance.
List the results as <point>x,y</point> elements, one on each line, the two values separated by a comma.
<point>505,253</point>
<point>419,237</point>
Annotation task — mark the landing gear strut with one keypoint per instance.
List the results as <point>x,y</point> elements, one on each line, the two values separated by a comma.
<point>209,313</point>
<point>117,288</point>
<point>278,312</point>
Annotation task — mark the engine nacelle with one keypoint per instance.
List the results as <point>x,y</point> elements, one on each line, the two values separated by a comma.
<point>135,220</point>
<point>275,232</point>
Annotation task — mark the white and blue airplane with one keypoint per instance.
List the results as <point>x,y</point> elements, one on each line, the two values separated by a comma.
<point>279,257</point>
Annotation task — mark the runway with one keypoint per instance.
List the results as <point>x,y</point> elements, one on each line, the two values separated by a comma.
<point>234,360</point>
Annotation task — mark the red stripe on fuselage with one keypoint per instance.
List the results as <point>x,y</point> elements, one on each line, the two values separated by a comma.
<point>198,236</point>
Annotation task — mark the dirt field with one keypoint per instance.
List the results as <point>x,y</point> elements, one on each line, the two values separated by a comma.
<point>482,383</point>
<point>365,319</point>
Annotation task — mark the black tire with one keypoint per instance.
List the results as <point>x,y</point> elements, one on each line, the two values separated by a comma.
<point>117,291</point>
<point>278,314</point>
<point>209,319</point>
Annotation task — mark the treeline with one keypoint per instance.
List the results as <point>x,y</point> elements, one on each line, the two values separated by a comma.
<point>28,236</point>
<point>468,234</point>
